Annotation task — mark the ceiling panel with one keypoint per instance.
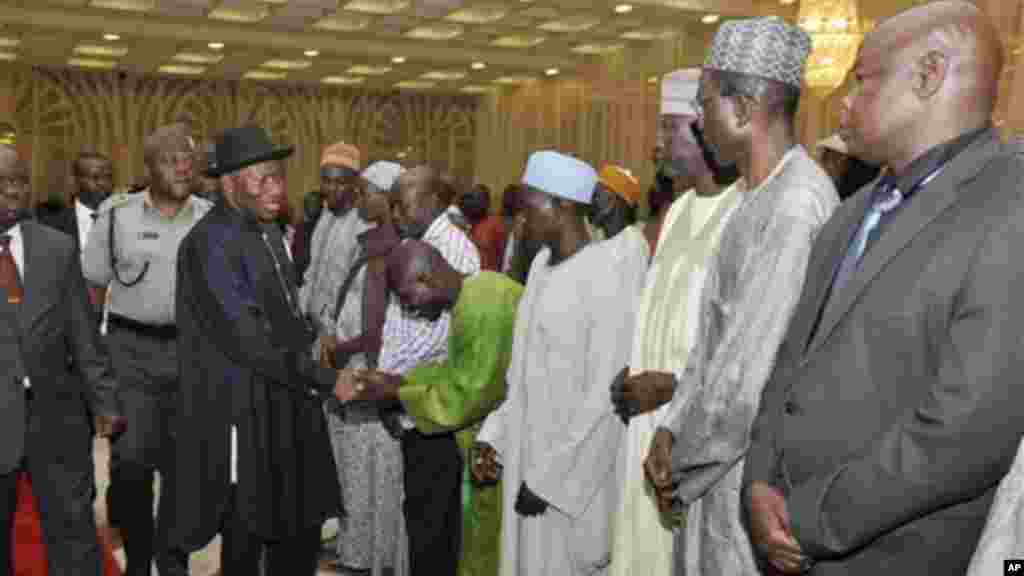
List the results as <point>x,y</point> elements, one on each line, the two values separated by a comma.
<point>440,39</point>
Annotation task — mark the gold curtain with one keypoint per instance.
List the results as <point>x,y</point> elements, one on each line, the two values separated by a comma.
<point>58,113</point>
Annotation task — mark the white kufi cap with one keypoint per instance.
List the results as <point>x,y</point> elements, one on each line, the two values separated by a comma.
<point>679,91</point>
<point>560,175</point>
<point>382,174</point>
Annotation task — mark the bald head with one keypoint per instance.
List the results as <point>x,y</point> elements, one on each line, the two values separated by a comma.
<point>955,37</point>
<point>923,77</point>
<point>424,282</point>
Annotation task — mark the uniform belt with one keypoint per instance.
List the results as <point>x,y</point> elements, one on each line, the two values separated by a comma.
<point>164,332</point>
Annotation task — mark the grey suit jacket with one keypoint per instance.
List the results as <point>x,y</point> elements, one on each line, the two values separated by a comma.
<point>53,322</point>
<point>890,428</point>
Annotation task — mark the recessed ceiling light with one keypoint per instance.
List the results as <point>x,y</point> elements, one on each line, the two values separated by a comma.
<point>311,53</point>
<point>111,37</point>
<point>478,66</point>
<point>476,89</point>
<point>787,2</point>
<point>125,5</point>
<point>377,6</point>
<point>243,15</point>
<point>415,85</point>
<point>265,75</point>
<point>398,59</point>
<point>92,63</point>
<point>515,80</point>
<point>197,58</point>
<point>342,80</point>
<point>287,64</point>
<point>710,19</point>
<point>216,45</point>
<point>551,71</point>
<point>597,48</point>
<point>623,8</point>
<point>444,75</point>
<point>518,41</point>
<point>435,32</point>
<point>369,70</point>
<point>105,51</point>
<point>181,70</point>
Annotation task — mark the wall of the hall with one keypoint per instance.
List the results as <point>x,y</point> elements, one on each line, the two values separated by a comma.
<point>58,113</point>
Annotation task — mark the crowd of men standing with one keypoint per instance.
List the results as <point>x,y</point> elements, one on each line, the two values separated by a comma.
<point>755,380</point>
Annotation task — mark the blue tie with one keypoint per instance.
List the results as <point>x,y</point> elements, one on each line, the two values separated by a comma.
<point>885,198</point>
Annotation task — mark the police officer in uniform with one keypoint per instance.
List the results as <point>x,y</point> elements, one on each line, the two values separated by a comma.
<point>133,247</point>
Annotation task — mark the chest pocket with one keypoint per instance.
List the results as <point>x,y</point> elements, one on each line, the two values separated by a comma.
<point>129,256</point>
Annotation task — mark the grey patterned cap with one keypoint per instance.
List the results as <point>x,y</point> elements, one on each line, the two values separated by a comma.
<point>766,47</point>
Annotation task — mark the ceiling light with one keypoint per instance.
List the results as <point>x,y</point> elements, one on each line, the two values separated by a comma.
<point>111,37</point>
<point>8,56</point>
<point>597,48</point>
<point>377,6</point>
<point>126,5</point>
<point>485,14</point>
<point>515,80</point>
<point>551,71</point>
<point>518,41</point>
<point>181,70</point>
<point>787,2</point>
<point>710,19</point>
<point>444,75</point>
<point>106,51</point>
<point>369,70</point>
<point>216,45</point>
<point>398,59</point>
<point>197,58</point>
<point>311,53</point>
<point>92,63</point>
<point>287,64</point>
<point>415,85</point>
<point>343,23</point>
<point>342,80</point>
<point>649,34</point>
<point>265,75</point>
<point>571,24</point>
<point>243,15</point>
<point>435,32</point>
<point>9,42</point>
<point>476,89</point>
<point>478,66</point>
<point>623,8</point>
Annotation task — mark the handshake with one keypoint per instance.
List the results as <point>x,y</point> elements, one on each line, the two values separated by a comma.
<point>366,386</point>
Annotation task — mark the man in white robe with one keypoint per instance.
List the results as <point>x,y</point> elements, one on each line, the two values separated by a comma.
<point>666,324</point>
<point>748,96</point>
<point>556,433</point>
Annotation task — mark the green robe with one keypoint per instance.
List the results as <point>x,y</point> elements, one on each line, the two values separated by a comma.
<point>458,393</point>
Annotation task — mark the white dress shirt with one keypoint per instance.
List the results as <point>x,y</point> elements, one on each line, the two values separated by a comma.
<point>17,248</point>
<point>84,215</point>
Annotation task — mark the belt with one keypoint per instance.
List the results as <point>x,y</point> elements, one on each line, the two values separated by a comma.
<point>158,332</point>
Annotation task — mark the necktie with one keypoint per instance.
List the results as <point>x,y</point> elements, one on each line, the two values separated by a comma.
<point>282,266</point>
<point>886,198</point>
<point>10,280</point>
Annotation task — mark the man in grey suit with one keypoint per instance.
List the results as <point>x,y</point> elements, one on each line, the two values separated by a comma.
<point>45,317</point>
<point>894,405</point>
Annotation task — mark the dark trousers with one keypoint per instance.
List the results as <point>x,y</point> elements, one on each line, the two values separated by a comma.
<point>66,516</point>
<point>433,503</point>
<point>241,551</point>
<point>144,538</point>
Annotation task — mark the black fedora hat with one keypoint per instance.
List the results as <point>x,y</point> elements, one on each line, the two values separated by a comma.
<point>240,147</point>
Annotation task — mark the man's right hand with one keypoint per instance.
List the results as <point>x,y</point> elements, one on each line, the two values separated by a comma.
<point>345,386</point>
<point>770,530</point>
<point>485,467</point>
<point>328,346</point>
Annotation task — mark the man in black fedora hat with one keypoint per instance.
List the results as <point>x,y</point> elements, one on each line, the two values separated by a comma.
<point>254,458</point>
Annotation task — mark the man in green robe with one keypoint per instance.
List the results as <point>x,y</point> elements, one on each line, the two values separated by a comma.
<point>455,394</point>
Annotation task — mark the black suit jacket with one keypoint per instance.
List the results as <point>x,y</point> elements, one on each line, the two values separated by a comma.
<point>890,426</point>
<point>54,321</point>
<point>64,219</point>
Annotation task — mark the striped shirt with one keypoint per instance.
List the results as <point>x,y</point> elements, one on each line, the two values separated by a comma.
<point>409,341</point>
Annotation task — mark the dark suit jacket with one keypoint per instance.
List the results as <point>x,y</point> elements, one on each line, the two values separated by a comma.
<point>53,322</point>
<point>64,219</point>
<point>890,429</point>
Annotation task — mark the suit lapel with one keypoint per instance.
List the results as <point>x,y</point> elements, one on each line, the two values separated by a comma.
<point>921,210</point>
<point>846,229</point>
<point>35,275</point>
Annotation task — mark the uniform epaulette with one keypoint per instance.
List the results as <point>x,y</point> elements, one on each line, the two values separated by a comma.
<point>118,199</point>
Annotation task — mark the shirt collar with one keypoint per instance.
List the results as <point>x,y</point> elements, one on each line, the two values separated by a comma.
<point>930,161</point>
<point>15,233</point>
<point>186,210</point>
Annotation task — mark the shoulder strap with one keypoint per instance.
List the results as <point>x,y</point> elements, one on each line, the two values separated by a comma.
<point>357,265</point>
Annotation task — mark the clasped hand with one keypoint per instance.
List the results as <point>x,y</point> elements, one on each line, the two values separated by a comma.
<point>485,468</point>
<point>770,530</point>
<point>110,426</point>
<point>366,386</point>
<point>528,503</point>
<point>640,393</point>
<point>658,469</point>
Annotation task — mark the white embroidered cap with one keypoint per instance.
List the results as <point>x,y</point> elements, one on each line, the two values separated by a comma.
<point>560,175</point>
<point>382,174</point>
<point>679,92</point>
